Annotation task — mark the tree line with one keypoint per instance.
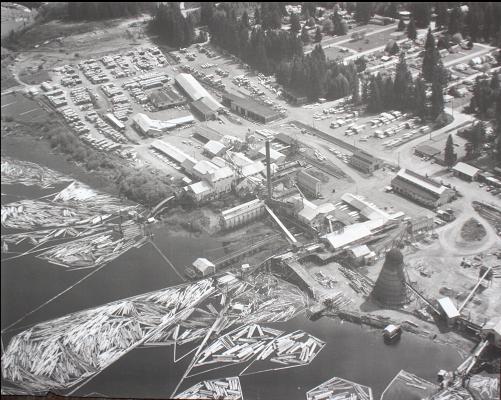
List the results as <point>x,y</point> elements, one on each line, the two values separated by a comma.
<point>401,92</point>
<point>318,77</point>
<point>171,26</point>
<point>78,11</point>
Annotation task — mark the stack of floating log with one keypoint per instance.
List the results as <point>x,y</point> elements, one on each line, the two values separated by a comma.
<point>225,388</point>
<point>27,173</point>
<point>358,282</point>
<point>453,394</point>
<point>60,353</point>
<point>95,250</point>
<point>484,387</point>
<point>296,348</point>
<point>340,389</point>
<point>238,346</point>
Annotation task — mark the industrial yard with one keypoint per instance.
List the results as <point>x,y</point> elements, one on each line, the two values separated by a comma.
<point>255,219</point>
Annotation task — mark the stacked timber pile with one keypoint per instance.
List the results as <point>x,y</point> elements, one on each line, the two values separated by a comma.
<point>358,282</point>
<point>28,174</point>
<point>340,389</point>
<point>58,354</point>
<point>390,288</point>
<point>225,388</point>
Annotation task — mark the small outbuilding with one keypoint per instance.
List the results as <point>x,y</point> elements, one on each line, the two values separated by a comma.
<point>449,310</point>
<point>203,267</point>
<point>466,171</point>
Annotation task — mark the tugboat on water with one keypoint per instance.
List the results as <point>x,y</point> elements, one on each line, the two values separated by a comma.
<point>392,333</point>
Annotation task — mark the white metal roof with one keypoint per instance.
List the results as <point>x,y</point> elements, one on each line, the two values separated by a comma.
<point>214,147</point>
<point>465,169</point>
<point>421,181</point>
<point>348,235</point>
<point>448,307</point>
<point>196,91</point>
<point>171,151</point>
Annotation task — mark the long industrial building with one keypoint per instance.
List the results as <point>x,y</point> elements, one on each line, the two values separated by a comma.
<point>155,127</point>
<point>202,101</point>
<point>421,189</point>
<point>250,108</point>
<point>242,213</point>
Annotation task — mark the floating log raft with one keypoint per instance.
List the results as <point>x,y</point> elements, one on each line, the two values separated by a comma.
<point>238,346</point>
<point>484,387</point>
<point>407,385</point>
<point>75,205</point>
<point>28,174</point>
<point>96,250</point>
<point>225,388</point>
<point>58,354</point>
<point>340,389</point>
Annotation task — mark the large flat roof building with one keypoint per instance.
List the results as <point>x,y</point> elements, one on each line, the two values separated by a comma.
<point>250,108</point>
<point>242,213</point>
<point>466,171</point>
<point>195,91</point>
<point>154,127</point>
<point>421,189</point>
<point>172,152</point>
<point>365,162</point>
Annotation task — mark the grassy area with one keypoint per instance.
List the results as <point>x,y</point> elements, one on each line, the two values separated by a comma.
<point>374,41</point>
<point>34,77</point>
<point>334,53</point>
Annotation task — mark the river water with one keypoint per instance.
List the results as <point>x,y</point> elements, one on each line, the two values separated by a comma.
<point>353,352</point>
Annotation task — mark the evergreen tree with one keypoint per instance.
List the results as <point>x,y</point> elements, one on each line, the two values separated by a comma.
<point>305,36</point>
<point>318,36</point>
<point>355,94</point>
<point>411,30</point>
<point>364,11</point>
<point>442,19</point>
<point>420,98</point>
<point>403,84</point>
<point>328,27</point>
<point>437,97</point>
<point>421,12</point>
<point>473,19</point>
<point>449,155</point>
<point>295,24</point>
<point>430,57</point>
<point>257,16</point>
<point>455,21</point>
<point>401,26</point>
<point>375,103</point>
<point>206,12</point>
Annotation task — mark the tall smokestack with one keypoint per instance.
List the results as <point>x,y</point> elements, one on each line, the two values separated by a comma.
<point>268,168</point>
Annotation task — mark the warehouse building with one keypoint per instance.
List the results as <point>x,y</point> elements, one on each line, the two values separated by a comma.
<point>421,189</point>
<point>172,152</point>
<point>293,97</point>
<point>425,150</point>
<point>351,235</point>
<point>203,267</point>
<point>365,162</point>
<point>204,110</point>
<point>466,171</point>
<point>205,133</point>
<point>275,156</point>
<point>195,91</point>
<point>214,148</point>
<point>242,213</point>
<point>154,127</point>
<point>308,183</point>
<point>166,98</point>
<point>250,108</point>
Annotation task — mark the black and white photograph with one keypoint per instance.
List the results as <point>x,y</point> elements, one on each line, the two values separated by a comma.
<point>251,200</point>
